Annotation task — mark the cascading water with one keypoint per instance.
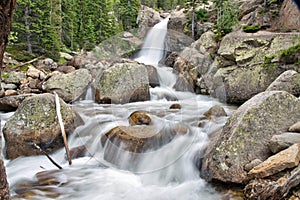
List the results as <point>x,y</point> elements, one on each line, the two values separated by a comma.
<point>153,50</point>
<point>168,172</point>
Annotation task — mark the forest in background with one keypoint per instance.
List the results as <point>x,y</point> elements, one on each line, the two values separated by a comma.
<point>48,27</point>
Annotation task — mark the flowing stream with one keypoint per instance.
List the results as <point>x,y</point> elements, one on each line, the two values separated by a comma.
<point>167,173</point>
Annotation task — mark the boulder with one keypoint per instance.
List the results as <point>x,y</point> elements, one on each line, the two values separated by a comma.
<point>175,106</point>
<point>215,111</point>
<point>146,18</point>
<point>288,81</point>
<point>33,72</point>
<point>295,127</point>
<point>287,158</point>
<point>153,76</point>
<point>47,64</point>
<point>246,134</point>
<point>207,43</point>
<point>283,141</point>
<point>178,21</point>
<point>35,121</point>
<point>11,103</point>
<point>69,86</point>
<point>124,44</point>
<point>131,142</point>
<point>123,83</point>
<point>15,78</point>
<point>139,118</point>
<point>289,16</point>
<point>247,64</point>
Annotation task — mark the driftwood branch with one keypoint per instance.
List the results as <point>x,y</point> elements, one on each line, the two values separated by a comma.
<point>48,156</point>
<point>62,128</point>
<point>28,62</point>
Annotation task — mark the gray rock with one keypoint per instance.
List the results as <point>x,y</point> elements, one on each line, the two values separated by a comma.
<point>35,121</point>
<point>33,72</point>
<point>242,69</point>
<point>252,164</point>
<point>146,18</point>
<point>11,103</point>
<point>153,76</point>
<point>283,141</point>
<point>47,63</point>
<point>246,134</point>
<point>15,78</point>
<point>123,83</point>
<point>69,86</point>
<point>215,111</point>
<point>295,127</point>
<point>9,86</point>
<point>288,81</point>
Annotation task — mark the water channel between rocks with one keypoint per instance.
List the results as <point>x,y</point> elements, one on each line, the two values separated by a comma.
<point>168,172</point>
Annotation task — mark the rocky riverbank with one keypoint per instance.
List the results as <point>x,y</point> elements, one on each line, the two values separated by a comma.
<point>257,149</point>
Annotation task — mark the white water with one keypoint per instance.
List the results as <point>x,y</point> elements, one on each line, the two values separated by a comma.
<point>168,173</point>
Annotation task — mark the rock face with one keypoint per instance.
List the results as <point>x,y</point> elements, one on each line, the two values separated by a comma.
<point>247,64</point>
<point>35,121</point>
<point>139,118</point>
<point>246,134</point>
<point>123,83</point>
<point>288,158</point>
<point>288,81</point>
<point>289,16</point>
<point>147,17</point>
<point>69,86</point>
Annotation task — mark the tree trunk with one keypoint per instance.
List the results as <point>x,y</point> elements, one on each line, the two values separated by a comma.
<point>6,12</point>
<point>27,25</point>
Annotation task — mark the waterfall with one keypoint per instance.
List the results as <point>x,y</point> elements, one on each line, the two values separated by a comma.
<point>153,48</point>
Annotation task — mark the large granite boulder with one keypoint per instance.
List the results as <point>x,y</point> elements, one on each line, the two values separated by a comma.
<point>247,64</point>
<point>288,81</point>
<point>146,18</point>
<point>11,103</point>
<point>246,135</point>
<point>35,121</point>
<point>123,83</point>
<point>69,86</point>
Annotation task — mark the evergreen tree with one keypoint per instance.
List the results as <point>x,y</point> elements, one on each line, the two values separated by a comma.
<point>128,11</point>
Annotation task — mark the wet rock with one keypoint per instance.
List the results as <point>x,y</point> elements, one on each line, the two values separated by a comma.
<point>295,127</point>
<point>15,78</point>
<point>153,76</point>
<point>246,134</point>
<point>35,121</point>
<point>285,159</point>
<point>139,118</point>
<point>178,21</point>
<point>283,141</point>
<point>33,72</point>
<point>123,83</point>
<point>175,106</point>
<point>141,138</point>
<point>288,81</point>
<point>215,111</point>
<point>78,152</point>
<point>69,86</point>
<point>252,164</point>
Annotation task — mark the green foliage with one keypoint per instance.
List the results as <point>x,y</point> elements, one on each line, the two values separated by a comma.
<point>127,13</point>
<point>202,15</point>
<point>268,63</point>
<point>290,55</point>
<point>4,75</point>
<point>226,16</point>
<point>251,29</point>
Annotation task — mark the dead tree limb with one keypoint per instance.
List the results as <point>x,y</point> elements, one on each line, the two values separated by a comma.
<point>48,156</point>
<point>63,132</point>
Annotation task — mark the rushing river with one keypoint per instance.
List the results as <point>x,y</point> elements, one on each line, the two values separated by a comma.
<point>167,173</point>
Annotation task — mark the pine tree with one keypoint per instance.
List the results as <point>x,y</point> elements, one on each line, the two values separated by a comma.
<point>128,12</point>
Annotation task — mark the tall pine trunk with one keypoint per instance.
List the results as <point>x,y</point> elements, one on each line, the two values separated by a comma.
<point>27,25</point>
<point>6,12</point>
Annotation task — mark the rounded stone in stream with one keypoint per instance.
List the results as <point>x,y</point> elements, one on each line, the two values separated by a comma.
<point>139,118</point>
<point>132,141</point>
<point>35,121</point>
